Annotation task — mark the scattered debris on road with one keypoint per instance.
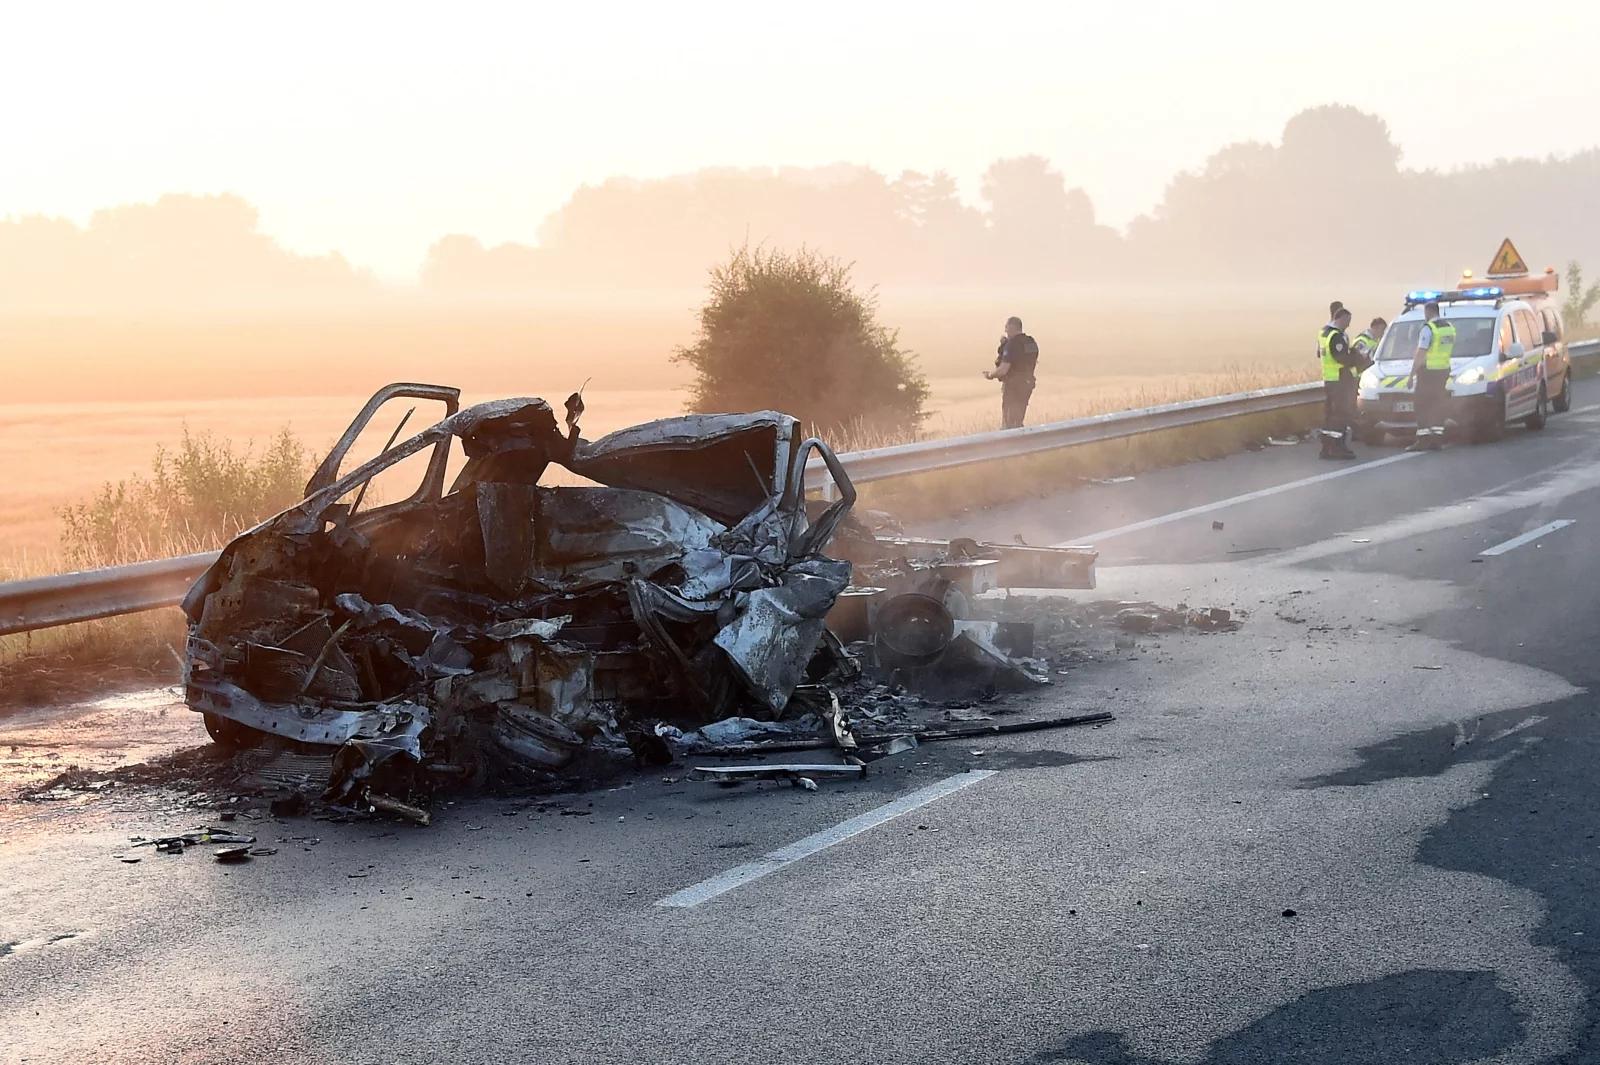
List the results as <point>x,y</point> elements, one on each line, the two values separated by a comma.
<point>738,774</point>
<point>195,837</point>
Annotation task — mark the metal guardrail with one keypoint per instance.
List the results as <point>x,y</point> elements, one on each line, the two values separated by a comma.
<point>926,456</point>
<point>43,602</point>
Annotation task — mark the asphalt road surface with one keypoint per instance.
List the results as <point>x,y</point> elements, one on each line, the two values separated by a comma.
<point>1361,829</point>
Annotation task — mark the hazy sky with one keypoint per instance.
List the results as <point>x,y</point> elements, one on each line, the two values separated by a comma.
<point>375,128</point>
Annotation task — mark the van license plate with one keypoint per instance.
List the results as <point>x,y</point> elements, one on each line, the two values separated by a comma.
<point>1404,406</point>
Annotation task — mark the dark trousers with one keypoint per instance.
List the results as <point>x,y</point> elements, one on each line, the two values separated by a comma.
<point>1338,408</point>
<point>1433,401</point>
<point>1014,395</point>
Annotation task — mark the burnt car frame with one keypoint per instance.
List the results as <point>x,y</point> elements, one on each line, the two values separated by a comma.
<point>500,625</point>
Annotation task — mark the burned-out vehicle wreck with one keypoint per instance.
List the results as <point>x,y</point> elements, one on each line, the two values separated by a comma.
<point>493,630</point>
<point>500,625</point>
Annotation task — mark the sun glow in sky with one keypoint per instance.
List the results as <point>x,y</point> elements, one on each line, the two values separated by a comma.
<point>375,128</point>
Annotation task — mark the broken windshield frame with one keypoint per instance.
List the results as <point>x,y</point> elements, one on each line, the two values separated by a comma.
<point>431,487</point>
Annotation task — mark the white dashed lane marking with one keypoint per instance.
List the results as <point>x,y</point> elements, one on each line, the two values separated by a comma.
<point>1248,497</point>
<point>770,863</point>
<point>1527,538</point>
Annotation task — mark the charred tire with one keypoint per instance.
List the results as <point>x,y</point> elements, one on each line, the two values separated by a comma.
<point>1539,417</point>
<point>227,733</point>
<point>1563,401</point>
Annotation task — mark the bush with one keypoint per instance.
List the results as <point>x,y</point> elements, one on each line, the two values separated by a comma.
<point>790,332</point>
<point>1580,301</point>
<point>196,497</point>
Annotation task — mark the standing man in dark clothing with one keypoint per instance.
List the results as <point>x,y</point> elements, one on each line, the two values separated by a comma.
<point>1338,381</point>
<point>1430,369</point>
<point>1014,364</point>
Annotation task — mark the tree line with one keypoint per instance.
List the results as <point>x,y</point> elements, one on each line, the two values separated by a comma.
<point>1329,201</point>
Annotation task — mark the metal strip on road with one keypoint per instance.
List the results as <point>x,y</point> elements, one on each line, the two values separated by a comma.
<point>1248,497</point>
<point>769,863</point>
<point>1526,538</point>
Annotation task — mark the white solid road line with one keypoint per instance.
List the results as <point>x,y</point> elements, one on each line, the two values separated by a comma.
<point>1150,523</point>
<point>1206,508</point>
<point>821,841</point>
<point>1526,538</point>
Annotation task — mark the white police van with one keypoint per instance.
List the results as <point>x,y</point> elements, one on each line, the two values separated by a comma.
<point>1509,364</point>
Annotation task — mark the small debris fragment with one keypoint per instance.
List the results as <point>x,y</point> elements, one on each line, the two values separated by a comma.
<point>1427,667</point>
<point>776,772</point>
<point>232,855</point>
<point>381,803</point>
<point>294,804</point>
<point>898,745</point>
<point>1216,526</point>
<point>1290,913</point>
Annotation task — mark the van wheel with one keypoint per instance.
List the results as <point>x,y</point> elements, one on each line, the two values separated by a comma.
<point>1491,426</point>
<point>1537,419</point>
<point>1563,402</point>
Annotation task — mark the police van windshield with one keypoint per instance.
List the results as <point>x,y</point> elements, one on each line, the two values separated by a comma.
<point>1474,337</point>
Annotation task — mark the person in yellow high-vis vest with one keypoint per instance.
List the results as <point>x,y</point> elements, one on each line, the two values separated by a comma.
<point>1365,345</point>
<point>1338,386</point>
<point>1430,369</point>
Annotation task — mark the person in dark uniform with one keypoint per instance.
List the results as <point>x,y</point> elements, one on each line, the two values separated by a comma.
<point>1430,369</point>
<point>1338,386</point>
<point>1014,364</point>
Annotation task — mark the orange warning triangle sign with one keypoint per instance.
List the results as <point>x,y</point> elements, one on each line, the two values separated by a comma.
<point>1507,261</point>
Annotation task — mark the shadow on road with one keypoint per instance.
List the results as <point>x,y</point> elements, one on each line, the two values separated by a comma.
<point>1423,1017</point>
<point>1535,828</point>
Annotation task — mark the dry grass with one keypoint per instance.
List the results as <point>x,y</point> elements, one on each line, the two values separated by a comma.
<point>196,496</point>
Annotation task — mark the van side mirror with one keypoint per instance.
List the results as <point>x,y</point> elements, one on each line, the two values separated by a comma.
<point>1516,351</point>
<point>1550,336</point>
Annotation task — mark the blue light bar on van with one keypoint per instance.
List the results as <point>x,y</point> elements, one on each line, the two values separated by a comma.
<point>1433,295</point>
